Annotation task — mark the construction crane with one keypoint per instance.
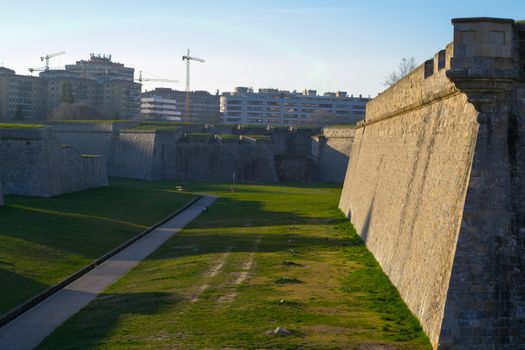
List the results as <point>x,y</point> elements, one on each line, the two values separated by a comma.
<point>51,55</point>
<point>43,69</point>
<point>46,59</point>
<point>189,58</point>
<point>141,79</point>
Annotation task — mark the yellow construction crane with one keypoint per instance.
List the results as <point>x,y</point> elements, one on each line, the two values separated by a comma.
<point>46,59</point>
<point>141,79</point>
<point>189,58</point>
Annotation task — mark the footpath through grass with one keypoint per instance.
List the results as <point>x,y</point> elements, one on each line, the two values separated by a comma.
<point>42,241</point>
<point>259,258</point>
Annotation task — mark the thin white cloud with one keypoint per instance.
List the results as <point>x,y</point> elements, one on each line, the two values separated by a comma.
<point>312,10</point>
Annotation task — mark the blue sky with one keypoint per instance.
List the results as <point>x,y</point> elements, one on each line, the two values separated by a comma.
<point>286,44</point>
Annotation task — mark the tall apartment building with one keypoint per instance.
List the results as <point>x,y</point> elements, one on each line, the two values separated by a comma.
<point>101,67</point>
<point>159,108</point>
<point>21,94</point>
<point>284,108</point>
<point>83,90</point>
<point>117,94</point>
<point>204,107</point>
<point>108,87</point>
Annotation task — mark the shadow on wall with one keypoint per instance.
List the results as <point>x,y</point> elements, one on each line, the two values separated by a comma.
<point>368,220</point>
<point>295,169</point>
<point>332,155</point>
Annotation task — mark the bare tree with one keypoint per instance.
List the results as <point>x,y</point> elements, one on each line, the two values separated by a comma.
<point>406,66</point>
<point>74,111</point>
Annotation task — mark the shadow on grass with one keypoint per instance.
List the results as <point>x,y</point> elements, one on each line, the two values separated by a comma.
<point>232,225</point>
<point>25,289</point>
<point>229,212</point>
<point>68,234</point>
<point>102,316</point>
<point>86,223</point>
<point>197,242</point>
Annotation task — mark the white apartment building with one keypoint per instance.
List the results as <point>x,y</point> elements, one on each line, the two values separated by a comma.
<point>284,108</point>
<point>157,107</point>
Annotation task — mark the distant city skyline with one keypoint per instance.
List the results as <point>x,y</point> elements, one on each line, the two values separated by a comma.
<point>292,45</point>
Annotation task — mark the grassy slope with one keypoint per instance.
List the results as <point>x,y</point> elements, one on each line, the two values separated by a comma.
<point>20,126</point>
<point>44,240</point>
<point>336,297</point>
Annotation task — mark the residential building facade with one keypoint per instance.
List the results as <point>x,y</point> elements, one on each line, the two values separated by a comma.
<point>284,108</point>
<point>108,87</point>
<point>22,95</point>
<point>83,90</point>
<point>117,94</point>
<point>160,108</point>
<point>204,107</point>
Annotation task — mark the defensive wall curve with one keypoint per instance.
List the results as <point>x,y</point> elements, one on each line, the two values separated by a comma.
<point>198,153</point>
<point>434,187</point>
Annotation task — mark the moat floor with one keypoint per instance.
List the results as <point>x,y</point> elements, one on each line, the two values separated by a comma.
<point>28,330</point>
<point>42,241</point>
<point>260,258</point>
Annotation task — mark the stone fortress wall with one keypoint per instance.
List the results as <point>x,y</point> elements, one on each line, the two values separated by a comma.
<point>131,154</point>
<point>92,137</point>
<point>332,149</point>
<point>52,160</point>
<point>34,163</point>
<point>197,153</point>
<point>435,187</point>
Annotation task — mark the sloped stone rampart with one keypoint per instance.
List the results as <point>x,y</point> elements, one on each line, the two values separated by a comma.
<point>331,150</point>
<point>160,154</point>
<point>34,163</point>
<point>436,187</point>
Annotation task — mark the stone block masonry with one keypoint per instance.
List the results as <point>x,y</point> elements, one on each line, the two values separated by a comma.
<point>218,159</point>
<point>332,149</point>
<point>34,163</point>
<point>131,154</point>
<point>190,152</point>
<point>91,137</point>
<point>435,186</point>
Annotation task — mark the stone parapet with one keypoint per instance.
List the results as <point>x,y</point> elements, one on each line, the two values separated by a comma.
<point>427,83</point>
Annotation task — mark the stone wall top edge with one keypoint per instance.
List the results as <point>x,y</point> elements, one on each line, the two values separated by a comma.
<point>134,131</point>
<point>426,83</point>
<point>85,126</point>
<point>25,133</point>
<point>482,19</point>
<point>338,132</point>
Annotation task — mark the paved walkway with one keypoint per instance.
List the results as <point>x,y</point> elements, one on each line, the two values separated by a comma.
<point>30,328</point>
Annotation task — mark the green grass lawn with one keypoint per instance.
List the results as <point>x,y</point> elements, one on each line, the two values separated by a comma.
<point>42,241</point>
<point>259,258</point>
